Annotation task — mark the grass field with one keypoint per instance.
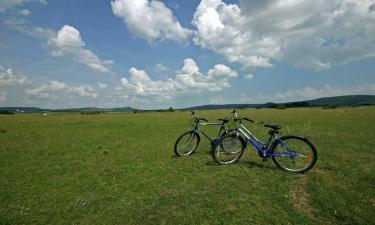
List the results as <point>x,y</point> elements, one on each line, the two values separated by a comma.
<point>121,169</point>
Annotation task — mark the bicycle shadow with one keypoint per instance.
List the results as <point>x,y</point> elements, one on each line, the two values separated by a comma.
<point>252,164</point>
<point>196,153</point>
<point>247,163</point>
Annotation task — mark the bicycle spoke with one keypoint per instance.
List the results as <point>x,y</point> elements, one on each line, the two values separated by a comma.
<point>186,144</point>
<point>228,150</point>
<point>294,154</point>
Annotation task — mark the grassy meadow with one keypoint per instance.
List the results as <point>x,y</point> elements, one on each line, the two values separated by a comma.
<point>121,169</point>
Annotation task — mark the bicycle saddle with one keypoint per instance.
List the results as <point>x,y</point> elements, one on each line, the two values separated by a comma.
<point>225,120</point>
<point>273,126</point>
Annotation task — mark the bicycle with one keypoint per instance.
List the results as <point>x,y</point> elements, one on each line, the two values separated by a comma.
<point>187,143</point>
<point>289,153</point>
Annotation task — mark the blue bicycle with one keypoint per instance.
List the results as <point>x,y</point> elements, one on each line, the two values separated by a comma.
<point>290,153</point>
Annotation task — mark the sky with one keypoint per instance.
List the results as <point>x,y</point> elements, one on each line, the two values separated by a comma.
<point>151,54</point>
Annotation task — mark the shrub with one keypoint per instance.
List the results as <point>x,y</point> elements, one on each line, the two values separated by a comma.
<point>91,112</point>
<point>330,107</point>
<point>6,112</point>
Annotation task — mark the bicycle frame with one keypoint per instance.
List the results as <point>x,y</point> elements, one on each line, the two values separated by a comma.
<point>264,147</point>
<point>222,128</point>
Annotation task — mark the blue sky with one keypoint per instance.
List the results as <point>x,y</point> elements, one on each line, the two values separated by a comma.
<point>156,54</point>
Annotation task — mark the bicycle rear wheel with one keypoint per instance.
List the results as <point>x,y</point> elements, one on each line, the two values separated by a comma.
<point>186,144</point>
<point>294,154</point>
<point>229,149</point>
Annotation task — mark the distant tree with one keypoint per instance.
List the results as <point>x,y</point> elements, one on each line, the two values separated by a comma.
<point>91,112</point>
<point>280,107</point>
<point>297,104</point>
<point>271,105</point>
<point>365,104</point>
<point>330,107</point>
<point>170,109</point>
<point>6,112</point>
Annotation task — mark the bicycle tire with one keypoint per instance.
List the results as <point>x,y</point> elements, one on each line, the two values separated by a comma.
<point>306,152</point>
<point>196,139</point>
<point>224,147</point>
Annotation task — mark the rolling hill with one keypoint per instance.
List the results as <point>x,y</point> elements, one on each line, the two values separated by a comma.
<point>349,100</point>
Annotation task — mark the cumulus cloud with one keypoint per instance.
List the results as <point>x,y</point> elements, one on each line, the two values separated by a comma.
<point>65,42</point>
<point>366,88</point>
<point>216,79</point>
<point>24,12</point>
<point>56,89</point>
<point>310,92</point>
<point>188,79</point>
<point>68,42</point>
<point>160,67</point>
<point>242,99</point>
<point>9,77</point>
<point>314,34</point>
<point>249,76</point>
<point>150,20</point>
<point>7,4</point>
<point>102,85</point>
<point>317,92</point>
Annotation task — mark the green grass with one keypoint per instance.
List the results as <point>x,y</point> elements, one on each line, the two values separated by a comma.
<point>121,169</point>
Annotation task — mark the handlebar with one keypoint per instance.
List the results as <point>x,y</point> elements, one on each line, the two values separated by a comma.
<point>234,113</point>
<point>203,119</point>
<point>224,120</point>
<point>199,119</point>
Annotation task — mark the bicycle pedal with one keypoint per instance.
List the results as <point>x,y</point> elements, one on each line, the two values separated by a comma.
<point>215,142</point>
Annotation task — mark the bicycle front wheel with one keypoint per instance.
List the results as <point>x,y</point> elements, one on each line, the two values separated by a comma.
<point>229,149</point>
<point>186,144</point>
<point>294,154</point>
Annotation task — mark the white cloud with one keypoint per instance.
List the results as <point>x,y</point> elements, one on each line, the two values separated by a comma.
<point>219,100</point>
<point>68,42</point>
<point>310,92</point>
<point>7,4</point>
<point>314,92</point>
<point>21,24</point>
<point>366,88</point>
<point>315,34</point>
<point>24,12</point>
<point>242,99</point>
<point>141,85</point>
<point>150,20</point>
<point>161,68</point>
<point>249,76</point>
<point>3,96</point>
<point>102,85</point>
<point>58,90</point>
<point>216,79</point>
<point>65,42</point>
<point>300,94</point>
<point>188,79</point>
<point>9,77</point>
